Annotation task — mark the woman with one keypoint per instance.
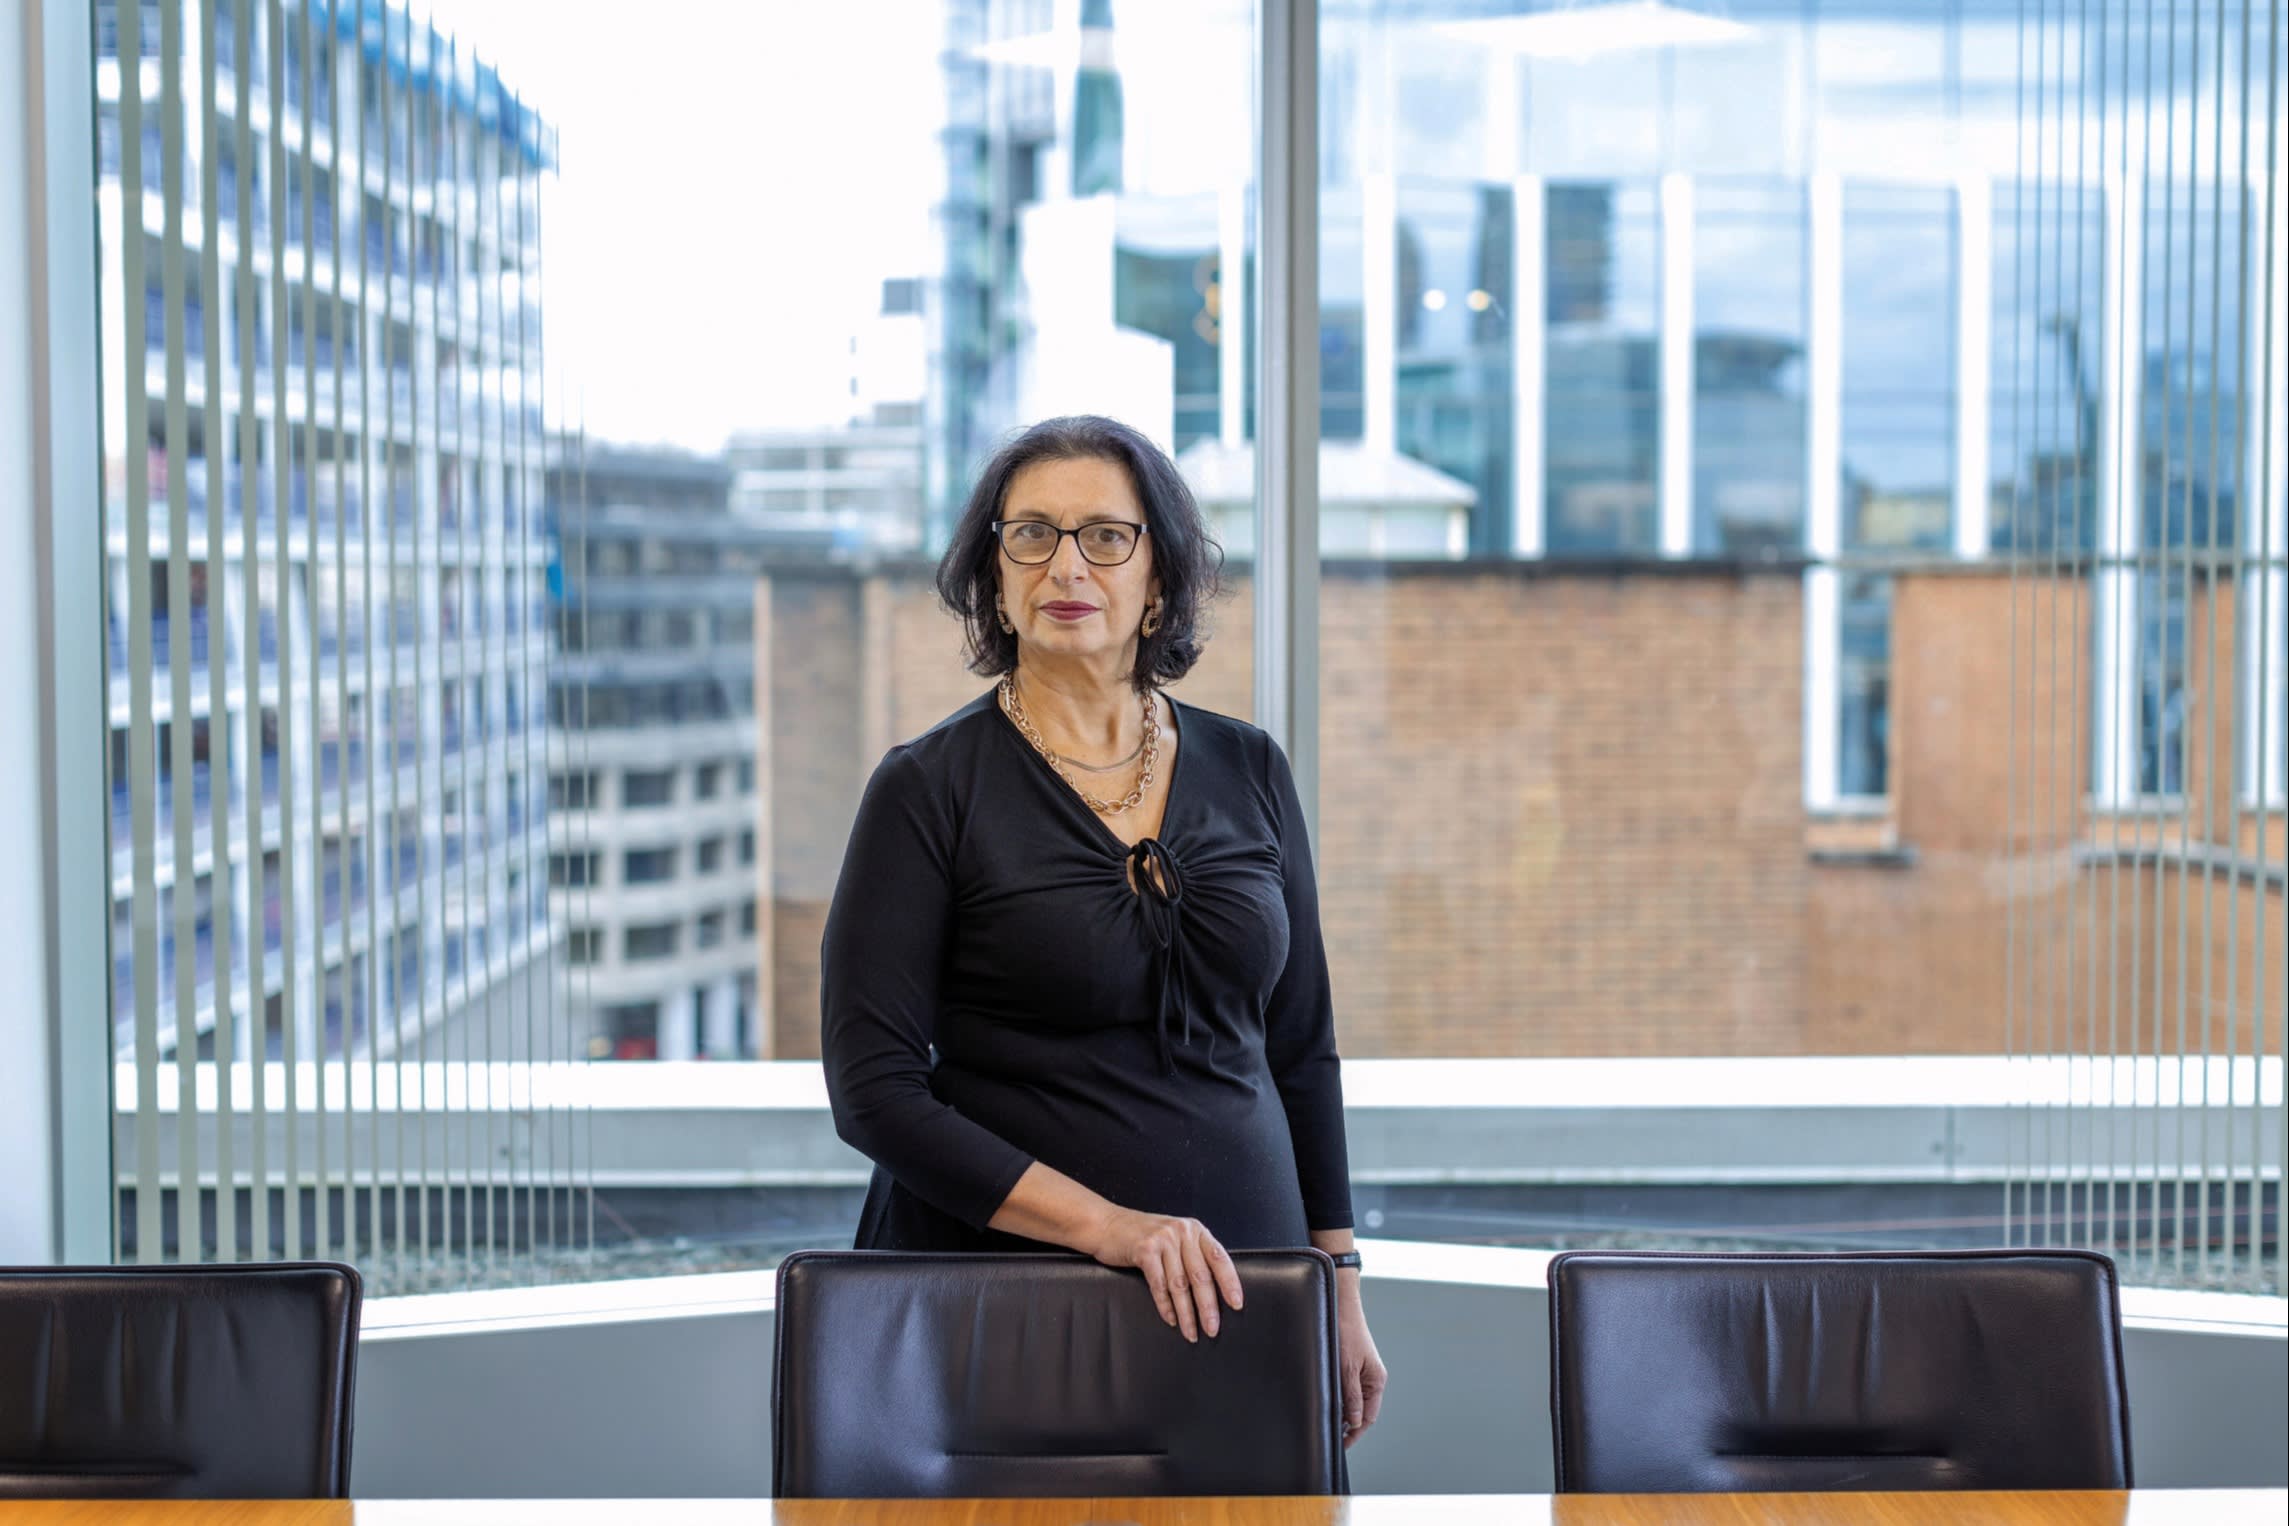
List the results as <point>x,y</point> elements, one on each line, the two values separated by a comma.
<point>1072,984</point>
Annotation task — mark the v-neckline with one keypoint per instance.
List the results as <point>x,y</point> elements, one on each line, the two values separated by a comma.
<point>1105,834</point>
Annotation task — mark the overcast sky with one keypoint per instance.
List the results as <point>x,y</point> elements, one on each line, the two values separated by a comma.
<point>738,176</point>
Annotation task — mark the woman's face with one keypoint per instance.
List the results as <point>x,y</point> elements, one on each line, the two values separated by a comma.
<point>1070,607</point>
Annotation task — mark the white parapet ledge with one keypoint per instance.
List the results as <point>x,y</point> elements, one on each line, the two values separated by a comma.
<point>1517,1122</point>
<point>718,1294</point>
<point>634,1300</point>
<point>1820,1081</point>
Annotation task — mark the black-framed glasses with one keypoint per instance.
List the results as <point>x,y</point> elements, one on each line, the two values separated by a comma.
<point>1103,542</point>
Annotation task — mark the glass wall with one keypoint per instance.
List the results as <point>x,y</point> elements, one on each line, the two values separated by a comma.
<point>1819,376</point>
<point>1797,537</point>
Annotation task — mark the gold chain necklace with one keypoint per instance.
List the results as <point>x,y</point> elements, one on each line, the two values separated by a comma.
<point>1015,708</point>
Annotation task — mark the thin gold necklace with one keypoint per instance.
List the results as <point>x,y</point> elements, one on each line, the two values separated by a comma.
<point>1015,709</point>
<point>1104,768</point>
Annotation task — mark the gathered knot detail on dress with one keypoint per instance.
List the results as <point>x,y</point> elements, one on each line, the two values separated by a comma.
<point>1159,887</point>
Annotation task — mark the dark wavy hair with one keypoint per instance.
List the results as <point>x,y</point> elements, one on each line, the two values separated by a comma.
<point>1185,556</point>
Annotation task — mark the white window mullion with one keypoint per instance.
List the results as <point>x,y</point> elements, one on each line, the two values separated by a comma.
<point>1823,527</point>
<point>1974,322</point>
<point>1529,197</point>
<point>1287,388</point>
<point>1676,388</point>
<point>2264,591</point>
<point>1232,316</point>
<point>2114,716</point>
<point>1379,312</point>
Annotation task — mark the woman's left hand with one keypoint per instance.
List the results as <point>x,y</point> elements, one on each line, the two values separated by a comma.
<point>1364,1378</point>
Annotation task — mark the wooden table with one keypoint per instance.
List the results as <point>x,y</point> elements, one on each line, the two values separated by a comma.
<point>2143,1507</point>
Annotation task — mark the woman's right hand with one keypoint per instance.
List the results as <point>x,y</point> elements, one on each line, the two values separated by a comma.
<point>1181,1261</point>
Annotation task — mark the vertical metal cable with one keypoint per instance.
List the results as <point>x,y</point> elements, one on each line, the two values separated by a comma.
<point>458,1009</point>
<point>2185,548</point>
<point>391,592</point>
<point>2058,1011</point>
<point>181,724</point>
<point>558,1006</point>
<point>2209,695</point>
<point>142,741</point>
<point>339,580</point>
<point>2013,848</point>
<point>250,553</point>
<point>2270,579</point>
<point>2134,648</point>
<point>282,587</point>
<point>2068,533</point>
<point>2232,579</point>
<point>2056,968</point>
<point>2098,985</point>
<point>369,111</point>
<point>215,436</point>
<point>587,1156</point>
<point>2106,662</point>
<point>2123,449</point>
<point>322,1203</point>
<point>492,419</point>
<point>476,590</point>
<point>518,590</point>
<point>429,552</point>
<point>2041,762</point>
<point>2095,482</point>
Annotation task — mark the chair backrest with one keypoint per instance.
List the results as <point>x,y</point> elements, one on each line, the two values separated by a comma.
<point>177,1382</point>
<point>1682,1374</point>
<point>982,1376</point>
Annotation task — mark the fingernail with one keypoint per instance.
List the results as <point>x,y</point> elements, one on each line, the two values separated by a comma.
<point>1213,1328</point>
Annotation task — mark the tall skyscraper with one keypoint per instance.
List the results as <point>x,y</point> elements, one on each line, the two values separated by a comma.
<point>323,455</point>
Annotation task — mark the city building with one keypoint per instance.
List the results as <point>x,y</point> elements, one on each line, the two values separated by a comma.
<point>1716,424</point>
<point>654,828</point>
<point>323,443</point>
<point>852,489</point>
<point>1643,289</point>
<point>837,493</point>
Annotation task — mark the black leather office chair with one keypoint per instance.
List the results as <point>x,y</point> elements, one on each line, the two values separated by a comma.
<point>177,1382</point>
<point>1684,1374</point>
<point>981,1376</point>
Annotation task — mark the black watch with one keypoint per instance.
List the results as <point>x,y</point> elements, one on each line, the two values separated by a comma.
<point>1345,1258</point>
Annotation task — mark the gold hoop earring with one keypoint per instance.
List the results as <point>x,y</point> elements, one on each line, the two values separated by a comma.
<point>1002,615</point>
<point>1151,624</point>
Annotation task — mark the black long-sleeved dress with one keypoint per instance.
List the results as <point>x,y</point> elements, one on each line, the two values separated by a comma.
<point>994,993</point>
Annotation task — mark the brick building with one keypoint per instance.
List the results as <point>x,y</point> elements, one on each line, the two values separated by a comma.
<point>1562,814</point>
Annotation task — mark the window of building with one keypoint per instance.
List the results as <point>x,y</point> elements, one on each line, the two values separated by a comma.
<point>1749,335</point>
<point>644,787</point>
<point>747,776</point>
<point>629,1030</point>
<point>1602,298</point>
<point>706,780</point>
<point>1898,345</point>
<point>649,940</point>
<point>572,871</point>
<point>572,792</point>
<point>747,846</point>
<point>710,855</point>
<point>648,866</point>
<point>747,918</point>
<point>583,945</point>
<point>708,931</point>
<point>1863,754</point>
